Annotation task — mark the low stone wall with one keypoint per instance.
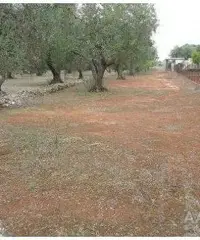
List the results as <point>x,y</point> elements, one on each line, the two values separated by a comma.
<point>17,100</point>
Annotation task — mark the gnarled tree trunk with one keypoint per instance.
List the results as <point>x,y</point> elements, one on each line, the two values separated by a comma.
<point>56,73</point>
<point>119,72</point>
<point>39,72</point>
<point>2,80</point>
<point>9,75</point>
<point>98,69</point>
<point>80,74</point>
<point>131,68</point>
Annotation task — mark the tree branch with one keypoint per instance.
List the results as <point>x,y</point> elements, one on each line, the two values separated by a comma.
<point>110,62</point>
<point>81,55</point>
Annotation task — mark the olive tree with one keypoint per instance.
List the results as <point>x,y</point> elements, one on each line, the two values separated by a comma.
<point>45,29</point>
<point>106,34</point>
<point>11,54</point>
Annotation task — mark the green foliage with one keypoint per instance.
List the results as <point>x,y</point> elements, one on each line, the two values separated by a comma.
<point>76,36</point>
<point>11,53</point>
<point>184,51</point>
<point>116,32</point>
<point>45,31</point>
<point>196,57</point>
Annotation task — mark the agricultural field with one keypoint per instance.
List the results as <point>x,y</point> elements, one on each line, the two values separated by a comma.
<point>99,121</point>
<point>119,163</point>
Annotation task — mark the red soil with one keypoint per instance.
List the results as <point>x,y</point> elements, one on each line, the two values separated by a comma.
<point>162,130</point>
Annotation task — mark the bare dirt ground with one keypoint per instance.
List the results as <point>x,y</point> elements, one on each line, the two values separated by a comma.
<point>121,163</point>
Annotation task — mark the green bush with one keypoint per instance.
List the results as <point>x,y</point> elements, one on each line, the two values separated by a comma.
<point>196,57</point>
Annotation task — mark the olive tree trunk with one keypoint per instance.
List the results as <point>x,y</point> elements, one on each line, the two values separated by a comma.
<point>131,68</point>
<point>80,74</point>
<point>39,72</point>
<point>119,72</point>
<point>55,72</point>
<point>98,70</point>
<point>2,80</point>
<point>98,67</point>
<point>9,75</point>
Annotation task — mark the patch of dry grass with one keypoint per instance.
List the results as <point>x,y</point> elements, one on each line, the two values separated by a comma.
<point>118,163</point>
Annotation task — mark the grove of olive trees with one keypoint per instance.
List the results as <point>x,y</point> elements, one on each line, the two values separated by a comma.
<point>55,37</point>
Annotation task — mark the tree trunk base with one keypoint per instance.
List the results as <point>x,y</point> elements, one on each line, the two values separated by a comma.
<point>39,74</point>
<point>121,78</point>
<point>80,74</point>
<point>98,89</point>
<point>131,74</point>
<point>54,81</point>
<point>9,75</point>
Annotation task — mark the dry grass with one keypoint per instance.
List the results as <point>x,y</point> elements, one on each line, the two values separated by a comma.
<point>120,163</point>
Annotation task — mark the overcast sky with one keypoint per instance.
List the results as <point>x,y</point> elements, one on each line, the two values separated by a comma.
<point>179,24</point>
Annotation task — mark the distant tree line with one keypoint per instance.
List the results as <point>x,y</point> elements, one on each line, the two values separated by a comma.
<point>187,51</point>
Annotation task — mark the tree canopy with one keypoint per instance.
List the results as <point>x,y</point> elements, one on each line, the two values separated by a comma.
<point>11,52</point>
<point>196,57</point>
<point>37,37</point>
<point>115,34</point>
<point>184,51</point>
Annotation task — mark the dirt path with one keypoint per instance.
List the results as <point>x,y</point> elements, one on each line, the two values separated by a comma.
<point>120,163</point>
